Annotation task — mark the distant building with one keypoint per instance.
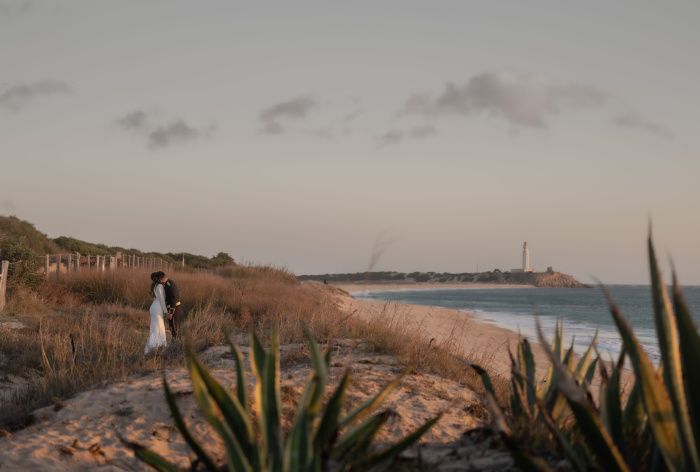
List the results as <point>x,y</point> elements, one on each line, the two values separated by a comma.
<point>526,258</point>
<point>526,261</point>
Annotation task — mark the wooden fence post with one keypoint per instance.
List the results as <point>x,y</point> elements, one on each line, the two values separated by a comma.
<point>4,267</point>
<point>58,266</point>
<point>112,262</point>
<point>102,267</point>
<point>47,264</point>
<point>69,263</point>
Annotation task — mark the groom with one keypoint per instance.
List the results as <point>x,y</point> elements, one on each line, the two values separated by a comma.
<point>172,300</point>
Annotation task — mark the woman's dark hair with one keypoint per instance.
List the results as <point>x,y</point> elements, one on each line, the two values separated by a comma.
<point>155,280</point>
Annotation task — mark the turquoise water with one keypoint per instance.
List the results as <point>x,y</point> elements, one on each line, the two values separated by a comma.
<point>582,311</point>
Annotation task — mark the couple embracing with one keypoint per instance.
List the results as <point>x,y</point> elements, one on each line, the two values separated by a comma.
<point>166,305</point>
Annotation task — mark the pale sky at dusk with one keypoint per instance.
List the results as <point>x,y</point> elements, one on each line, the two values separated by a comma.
<point>300,133</point>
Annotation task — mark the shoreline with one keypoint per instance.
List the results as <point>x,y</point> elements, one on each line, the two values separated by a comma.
<point>358,288</point>
<point>472,338</point>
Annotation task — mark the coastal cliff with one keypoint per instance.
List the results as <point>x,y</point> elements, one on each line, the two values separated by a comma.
<point>549,279</point>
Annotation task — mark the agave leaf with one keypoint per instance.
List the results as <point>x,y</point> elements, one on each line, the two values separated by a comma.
<point>588,420</point>
<point>588,375</point>
<point>328,426</point>
<point>549,379</point>
<point>241,388</point>
<point>182,427</point>
<point>566,445</point>
<point>653,394</point>
<point>690,355</point>
<point>320,369</point>
<point>297,452</point>
<point>370,405</point>
<point>354,443</point>
<point>558,409</point>
<point>634,418</point>
<point>383,459</point>
<point>669,344</point>
<point>485,378</point>
<point>586,360</point>
<point>258,357</point>
<point>270,414</point>
<point>530,372</point>
<point>236,457</point>
<point>234,414</point>
<point>611,406</point>
<point>151,458</point>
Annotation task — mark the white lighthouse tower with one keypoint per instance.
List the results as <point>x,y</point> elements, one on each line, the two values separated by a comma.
<point>526,258</point>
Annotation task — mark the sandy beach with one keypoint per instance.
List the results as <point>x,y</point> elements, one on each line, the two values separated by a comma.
<point>354,288</point>
<point>478,340</point>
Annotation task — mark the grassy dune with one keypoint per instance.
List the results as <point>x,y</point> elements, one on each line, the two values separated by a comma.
<point>89,328</point>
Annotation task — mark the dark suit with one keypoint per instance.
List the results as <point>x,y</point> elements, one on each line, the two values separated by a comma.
<point>172,299</point>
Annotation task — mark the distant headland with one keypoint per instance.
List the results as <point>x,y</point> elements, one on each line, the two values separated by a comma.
<point>523,275</point>
<point>549,279</point>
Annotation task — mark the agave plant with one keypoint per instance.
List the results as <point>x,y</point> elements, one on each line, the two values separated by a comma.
<point>655,426</point>
<point>321,437</point>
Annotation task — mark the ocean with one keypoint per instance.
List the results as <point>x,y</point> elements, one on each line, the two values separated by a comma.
<point>582,311</point>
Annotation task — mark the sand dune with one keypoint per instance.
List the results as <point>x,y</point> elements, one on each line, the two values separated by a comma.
<point>82,434</point>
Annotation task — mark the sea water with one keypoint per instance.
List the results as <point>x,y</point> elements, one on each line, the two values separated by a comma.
<point>582,311</point>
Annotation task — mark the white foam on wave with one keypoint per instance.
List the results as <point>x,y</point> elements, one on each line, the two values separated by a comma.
<point>582,333</point>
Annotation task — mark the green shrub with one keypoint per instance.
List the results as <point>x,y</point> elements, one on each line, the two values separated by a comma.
<point>25,266</point>
<point>321,438</point>
<point>655,427</point>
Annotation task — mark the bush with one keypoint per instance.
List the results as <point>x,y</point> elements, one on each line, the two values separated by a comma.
<point>25,266</point>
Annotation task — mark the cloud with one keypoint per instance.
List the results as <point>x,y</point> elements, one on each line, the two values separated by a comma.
<point>136,120</point>
<point>636,121</point>
<point>520,99</point>
<point>423,132</point>
<point>17,96</point>
<point>175,132</point>
<point>389,138</point>
<point>294,109</point>
<point>161,134</point>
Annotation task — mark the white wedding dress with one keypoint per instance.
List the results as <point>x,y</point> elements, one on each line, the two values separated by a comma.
<point>158,310</point>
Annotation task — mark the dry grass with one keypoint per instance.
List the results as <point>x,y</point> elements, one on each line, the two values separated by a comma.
<point>89,328</point>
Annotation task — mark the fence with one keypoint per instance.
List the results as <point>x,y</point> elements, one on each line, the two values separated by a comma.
<point>57,264</point>
<point>62,263</point>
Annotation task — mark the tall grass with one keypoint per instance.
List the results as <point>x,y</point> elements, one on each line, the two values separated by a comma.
<point>90,327</point>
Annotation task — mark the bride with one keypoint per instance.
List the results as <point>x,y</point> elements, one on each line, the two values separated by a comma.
<point>158,310</point>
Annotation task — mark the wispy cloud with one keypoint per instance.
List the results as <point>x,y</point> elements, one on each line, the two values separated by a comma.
<point>389,138</point>
<point>522,100</point>
<point>16,96</point>
<point>636,121</point>
<point>159,133</point>
<point>294,109</point>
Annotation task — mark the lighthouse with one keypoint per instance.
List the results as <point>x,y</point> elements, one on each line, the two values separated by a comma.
<point>526,258</point>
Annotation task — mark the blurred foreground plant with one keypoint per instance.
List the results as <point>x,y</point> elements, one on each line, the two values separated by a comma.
<point>321,438</point>
<point>655,427</point>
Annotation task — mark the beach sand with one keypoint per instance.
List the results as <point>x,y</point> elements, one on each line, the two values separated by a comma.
<point>479,341</point>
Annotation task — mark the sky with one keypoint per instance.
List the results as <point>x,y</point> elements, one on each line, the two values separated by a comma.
<point>334,137</point>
